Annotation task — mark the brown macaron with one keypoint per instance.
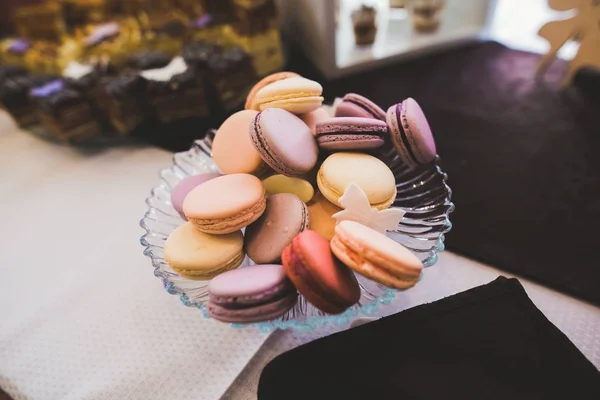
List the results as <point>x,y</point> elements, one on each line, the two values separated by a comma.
<point>285,217</point>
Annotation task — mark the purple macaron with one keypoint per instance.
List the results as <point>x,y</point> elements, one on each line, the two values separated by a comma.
<point>410,132</point>
<point>284,142</point>
<point>251,294</point>
<point>181,190</point>
<point>350,133</point>
<point>355,105</point>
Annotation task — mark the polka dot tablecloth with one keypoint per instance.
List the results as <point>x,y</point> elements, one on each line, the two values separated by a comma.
<point>82,316</point>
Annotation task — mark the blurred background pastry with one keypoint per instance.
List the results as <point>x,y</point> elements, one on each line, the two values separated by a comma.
<point>64,112</point>
<point>14,96</point>
<point>14,50</point>
<point>364,21</point>
<point>212,28</point>
<point>197,53</point>
<point>232,75</point>
<point>176,91</point>
<point>135,61</point>
<point>254,17</point>
<point>10,71</point>
<point>89,80</point>
<point>113,40</point>
<point>43,21</point>
<point>151,59</point>
<point>164,30</point>
<point>426,14</point>
<point>125,97</point>
<point>85,12</point>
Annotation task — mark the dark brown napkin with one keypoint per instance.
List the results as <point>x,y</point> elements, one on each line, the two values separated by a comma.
<point>490,342</point>
<point>4,396</point>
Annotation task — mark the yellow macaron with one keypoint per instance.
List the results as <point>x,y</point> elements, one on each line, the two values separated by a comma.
<point>297,95</point>
<point>320,213</point>
<point>285,184</point>
<point>251,103</point>
<point>201,256</point>
<point>368,172</point>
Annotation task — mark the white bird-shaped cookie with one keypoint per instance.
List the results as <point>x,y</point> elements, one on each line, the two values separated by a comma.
<point>357,208</point>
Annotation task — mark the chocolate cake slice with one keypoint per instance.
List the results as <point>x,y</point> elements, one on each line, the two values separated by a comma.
<point>14,96</point>
<point>64,112</point>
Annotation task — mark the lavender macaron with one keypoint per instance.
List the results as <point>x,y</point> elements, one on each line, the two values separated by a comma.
<point>181,190</point>
<point>284,142</point>
<point>251,294</point>
<point>410,132</point>
<point>355,105</point>
<point>350,133</point>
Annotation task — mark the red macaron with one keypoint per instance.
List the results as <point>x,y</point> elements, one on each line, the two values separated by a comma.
<point>322,279</point>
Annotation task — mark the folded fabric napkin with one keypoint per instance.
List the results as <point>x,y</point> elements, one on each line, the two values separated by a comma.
<point>490,342</point>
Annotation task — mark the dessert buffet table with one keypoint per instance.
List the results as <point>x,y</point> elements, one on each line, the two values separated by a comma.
<point>84,318</point>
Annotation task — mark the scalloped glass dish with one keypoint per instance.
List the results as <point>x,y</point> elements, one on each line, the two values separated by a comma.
<point>422,193</point>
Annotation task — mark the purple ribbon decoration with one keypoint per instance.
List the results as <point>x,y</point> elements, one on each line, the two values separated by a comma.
<point>48,89</point>
<point>19,46</point>
<point>202,21</point>
<point>102,32</point>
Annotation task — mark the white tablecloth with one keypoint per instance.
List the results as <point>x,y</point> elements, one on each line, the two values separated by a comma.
<point>82,316</point>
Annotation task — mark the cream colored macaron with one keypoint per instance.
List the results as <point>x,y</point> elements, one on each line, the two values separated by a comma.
<point>375,256</point>
<point>285,184</point>
<point>297,95</point>
<point>368,172</point>
<point>251,103</point>
<point>201,256</point>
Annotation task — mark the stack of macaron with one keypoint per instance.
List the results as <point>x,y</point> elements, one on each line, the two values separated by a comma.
<point>305,193</point>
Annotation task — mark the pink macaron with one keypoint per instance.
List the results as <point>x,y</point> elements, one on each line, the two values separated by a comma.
<point>410,133</point>
<point>181,190</point>
<point>323,280</point>
<point>355,105</point>
<point>251,294</point>
<point>350,133</point>
<point>284,142</point>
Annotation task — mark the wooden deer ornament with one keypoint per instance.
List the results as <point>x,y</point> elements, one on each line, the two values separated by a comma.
<point>583,27</point>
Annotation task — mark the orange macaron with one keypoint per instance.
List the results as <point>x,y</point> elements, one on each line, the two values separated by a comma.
<point>232,149</point>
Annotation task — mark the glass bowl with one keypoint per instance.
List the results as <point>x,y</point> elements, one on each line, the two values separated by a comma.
<point>422,193</point>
